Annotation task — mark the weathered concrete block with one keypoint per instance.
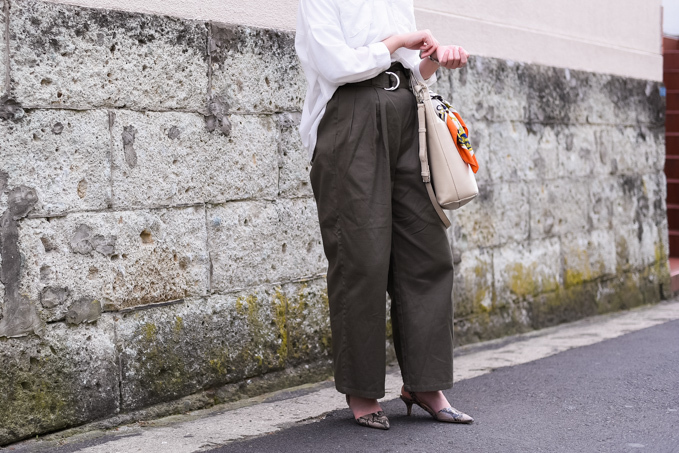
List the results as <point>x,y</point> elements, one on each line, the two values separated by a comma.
<point>173,351</point>
<point>654,188</point>
<point>630,150</point>
<point>473,285</point>
<point>486,89</point>
<point>640,245</point>
<point>256,70</point>
<point>585,101</point>
<point>502,90</point>
<point>656,147</point>
<point>520,154</point>
<point>118,259</point>
<point>499,214</point>
<point>553,93</point>
<point>170,158</point>
<point>307,321</point>
<point>618,100</point>
<point>66,378</point>
<point>69,56</point>
<point>292,159</point>
<point>274,241</point>
<point>577,151</point>
<point>611,204</point>
<point>641,196</point>
<point>558,207</point>
<point>63,155</point>
<point>522,271</point>
<point>588,256</point>
<point>627,201</point>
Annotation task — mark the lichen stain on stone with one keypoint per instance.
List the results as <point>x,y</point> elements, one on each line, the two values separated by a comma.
<point>482,289</point>
<point>521,281</point>
<point>257,346</point>
<point>82,188</point>
<point>524,281</point>
<point>81,240</point>
<point>173,133</point>
<point>35,388</point>
<point>84,241</point>
<point>280,305</point>
<point>238,39</point>
<point>218,118</point>
<point>635,95</point>
<point>84,310</point>
<point>574,275</point>
<point>81,22</point>
<point>128,137</point>
<point>4,179</point>
<point>551,97</point>
<point>10,109</point>
<point>178,324</point>
<point>20,316</point>
<point>159,364</point>
<point>219,362</point>
<point>51,297</point>
<point>307,325</point>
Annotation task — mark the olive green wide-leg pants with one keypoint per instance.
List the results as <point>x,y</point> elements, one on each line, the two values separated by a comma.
<point>381,233</point>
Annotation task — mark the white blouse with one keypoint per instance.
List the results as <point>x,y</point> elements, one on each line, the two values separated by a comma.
<point>340,41</point>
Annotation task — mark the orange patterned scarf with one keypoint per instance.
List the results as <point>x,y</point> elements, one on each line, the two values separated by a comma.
<point>457,129</point>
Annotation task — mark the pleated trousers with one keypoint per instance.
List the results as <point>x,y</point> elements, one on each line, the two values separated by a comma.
<point>381,234</point>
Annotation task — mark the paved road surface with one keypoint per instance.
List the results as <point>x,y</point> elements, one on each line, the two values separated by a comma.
<point>615,396</point>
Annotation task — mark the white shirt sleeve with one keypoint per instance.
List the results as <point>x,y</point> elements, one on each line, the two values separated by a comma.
<point>334,60</point>
<point>413,56</point>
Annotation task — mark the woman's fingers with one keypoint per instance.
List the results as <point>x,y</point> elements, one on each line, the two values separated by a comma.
<point>423,41</point>
<point>452,57</point>
<point>429,44</point>
<point>463,56</point>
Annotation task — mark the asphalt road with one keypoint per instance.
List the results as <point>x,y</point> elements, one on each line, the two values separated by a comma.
<point>620,395</point>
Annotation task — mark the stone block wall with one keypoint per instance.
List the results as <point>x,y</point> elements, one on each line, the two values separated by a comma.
<point>158,234</point>
<point>571,218</point>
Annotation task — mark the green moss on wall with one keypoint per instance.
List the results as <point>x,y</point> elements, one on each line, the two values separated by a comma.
<point>37,395</point>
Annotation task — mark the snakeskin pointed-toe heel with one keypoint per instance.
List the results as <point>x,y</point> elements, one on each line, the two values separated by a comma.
<point>375,420</point>
<point>447,414</point>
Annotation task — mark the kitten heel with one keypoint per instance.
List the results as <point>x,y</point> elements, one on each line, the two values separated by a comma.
<point>409,404</point>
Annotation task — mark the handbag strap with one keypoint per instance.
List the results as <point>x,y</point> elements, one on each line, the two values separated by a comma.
<point>424,161</point>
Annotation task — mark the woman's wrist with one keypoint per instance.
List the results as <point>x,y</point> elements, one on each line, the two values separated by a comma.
<point>428,67</point>
<point>394,43</point>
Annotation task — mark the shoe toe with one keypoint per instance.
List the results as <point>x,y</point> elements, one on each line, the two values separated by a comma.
<point>375,420</point>
<point>452,415</point>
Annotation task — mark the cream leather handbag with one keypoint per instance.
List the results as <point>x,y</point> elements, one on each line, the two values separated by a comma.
<point>453,181</point>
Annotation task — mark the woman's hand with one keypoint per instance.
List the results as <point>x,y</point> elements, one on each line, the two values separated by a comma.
<point>451,57</point>
<point>421,40</point>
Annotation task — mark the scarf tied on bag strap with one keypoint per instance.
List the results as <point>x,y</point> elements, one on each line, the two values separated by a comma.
<point>458,129</point>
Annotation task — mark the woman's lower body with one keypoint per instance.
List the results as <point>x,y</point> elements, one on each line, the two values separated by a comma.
<point>381,233</point>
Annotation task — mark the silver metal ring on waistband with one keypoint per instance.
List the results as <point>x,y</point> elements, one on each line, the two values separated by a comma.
<point>398,81</point>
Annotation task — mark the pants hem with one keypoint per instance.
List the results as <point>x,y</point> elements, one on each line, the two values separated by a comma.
<point>359,393</point>
<point>429,387</point>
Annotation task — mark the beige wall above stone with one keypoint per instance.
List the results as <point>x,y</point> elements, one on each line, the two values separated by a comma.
<point>620,37</point>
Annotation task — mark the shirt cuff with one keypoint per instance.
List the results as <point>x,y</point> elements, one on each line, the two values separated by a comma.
<point>418,75</point>
<point>381,54</point>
